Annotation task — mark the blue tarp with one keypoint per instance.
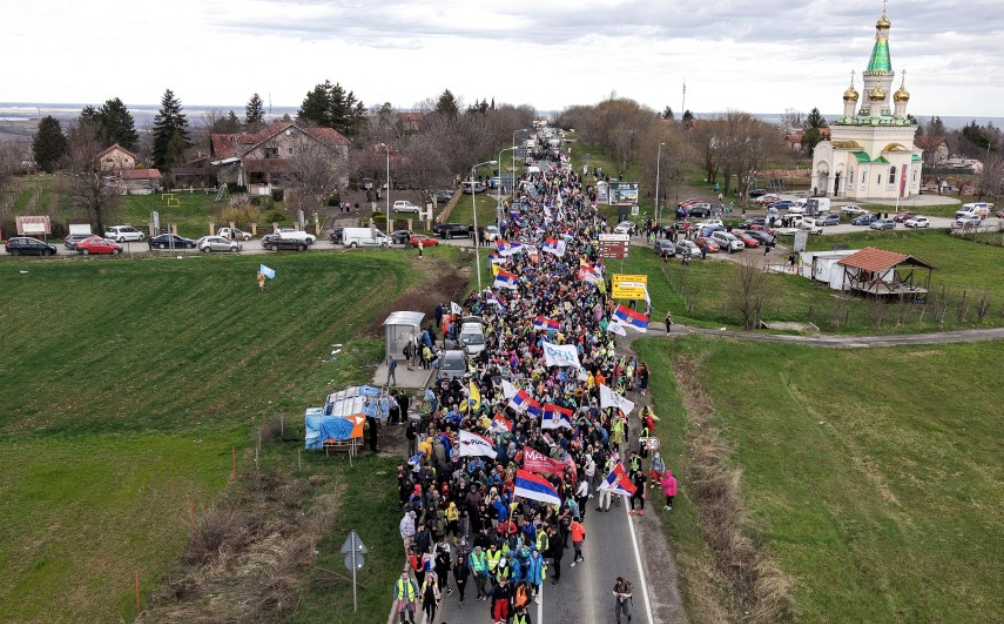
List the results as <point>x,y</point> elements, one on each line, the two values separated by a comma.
<point>320,428</point>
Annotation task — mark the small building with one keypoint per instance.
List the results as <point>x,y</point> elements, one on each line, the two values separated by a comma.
<point>117,158</point>
<point>823,266</point>
<point>139,181</point>
<point>882,273</point>
<point>402,327</point>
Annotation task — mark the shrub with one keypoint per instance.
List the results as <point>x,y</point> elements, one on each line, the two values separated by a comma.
<point>278,194</point>
<point>274,216</point>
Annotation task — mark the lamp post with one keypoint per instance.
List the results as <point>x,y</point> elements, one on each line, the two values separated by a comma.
<point>387,147</point>
<point>474,209</point>
<point>498,209</point>
<point>658,164</point>
<point>512,191</point>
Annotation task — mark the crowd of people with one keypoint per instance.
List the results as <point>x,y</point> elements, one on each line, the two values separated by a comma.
<point>463,522</point>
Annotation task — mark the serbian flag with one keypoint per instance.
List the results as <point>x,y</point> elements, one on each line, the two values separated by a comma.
<point>535,487</point>
<point>556,417</point>
<point>520,401</point>
<point>500,424</point>
<point>535,461</point>
<point>491,299</point>
<point>546,324</point>
<point>552,246</point>
<point>505,279</point>
<point>507,248</point>
<point>533,408</point>
<point>618,482</point>
<point>589,274</point>
<point>632,318</point>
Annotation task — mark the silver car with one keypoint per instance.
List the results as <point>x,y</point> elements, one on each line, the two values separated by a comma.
<point>217,243</point>
<point>452,364</point>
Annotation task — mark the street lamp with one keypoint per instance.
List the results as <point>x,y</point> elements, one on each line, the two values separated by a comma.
<point>498,209</point>
<point>474,209</point>
<point>387,147</point>
<point>658,164</point>
<point>513,189</point>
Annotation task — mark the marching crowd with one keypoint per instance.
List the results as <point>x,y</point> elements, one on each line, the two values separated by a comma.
<point>507,459</point>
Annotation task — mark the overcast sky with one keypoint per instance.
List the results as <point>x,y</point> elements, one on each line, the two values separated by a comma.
<point>762,56</point>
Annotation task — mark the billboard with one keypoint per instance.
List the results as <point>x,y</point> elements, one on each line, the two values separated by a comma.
<point>33,226</point>
<point>629,286</point>
<point>623,193</point>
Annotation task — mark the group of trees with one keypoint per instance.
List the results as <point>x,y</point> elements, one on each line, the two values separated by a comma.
<point>330,106</point>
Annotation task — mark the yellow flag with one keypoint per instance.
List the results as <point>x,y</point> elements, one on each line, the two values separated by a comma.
<point>475,398</point>
<point>495,269</point>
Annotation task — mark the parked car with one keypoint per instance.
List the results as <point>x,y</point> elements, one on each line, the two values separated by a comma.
<point>234,234</point>
<point>883,224</point>
<point>699,210</point>
<point>709,245</point>
<point>708,223</point>
<point>1000,213</point>
<point>414,239</point>
<point>298,235</point>
<point>853,210</point>
<point>766,200</point>
<point>728,242</point>
<point>625,227</point>
<point>968,220</point>
<point>72,240</point>
<point>472,339</point>
<point>757,193</point>
<point>28,246</point>
<point>405,206</point>
<point>784,204</point>
<point>492,234</point>
<point>664,247</point>
<point>209,244</point>
<point>687,247</point>
<point>830,219</point>
<point>865,219</point>
<point>452,364</point>
<point>475,188</point>
<point>917,222</point>
<point>98,245</point>
<point>764,237</point>
<point>397,237</point>
<point>123,233</point>
<point>443,196</point>
<point>903,216</point>
<point>450,230</point>
<point>747,240</point>
<point>171,241</point>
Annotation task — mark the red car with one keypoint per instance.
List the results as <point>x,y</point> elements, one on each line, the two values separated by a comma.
<point>690,202</point>
<point>903,216</point>
<point>747,240</point>
<point>98,245</point>
<point>707,244</point>
<point>426,241</point>
<point>1000,213</point>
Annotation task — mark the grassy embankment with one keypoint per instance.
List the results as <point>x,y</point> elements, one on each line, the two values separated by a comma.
<point>125,385</point>
<point>878,494</point>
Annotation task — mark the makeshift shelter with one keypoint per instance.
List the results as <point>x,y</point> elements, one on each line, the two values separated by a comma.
<point>822,266</point>
<point>402,327</point>
<point>882,273</point>
<point>342,417</point>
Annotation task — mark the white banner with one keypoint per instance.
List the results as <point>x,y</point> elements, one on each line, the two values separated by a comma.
<point>471,445</point>
<point>609,398</point>
<point>561,355</point>
<point>508,389</point>
<point>614,327</point>
<point>455,308</point>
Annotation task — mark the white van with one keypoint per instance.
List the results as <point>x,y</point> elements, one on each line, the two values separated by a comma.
<point>364,237</point>
<point>817,206</point>
<point>976,209</point>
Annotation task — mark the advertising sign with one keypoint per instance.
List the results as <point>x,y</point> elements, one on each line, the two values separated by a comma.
<point>801,241</point>
<point>33,226</point>
<point>623,193</point>
<point>629,286</point>
<point>614,245</point>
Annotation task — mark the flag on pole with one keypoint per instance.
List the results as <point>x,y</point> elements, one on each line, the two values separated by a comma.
<point>632,318</point>
<point>474,399</point>
<point>556,417</point>
<point>492,299</point>
<point>267,272</point>
<point>508,390</point>
<point>500,424</point>
<point>472,445</point>
<point>505,279</point>
<point>455,308</point>
<point>533,408</point>
<point>535,487</point>
<point>609,398</point>
<point>520,401</point>
<point>618,482</point>
<point>589,274</point>
<point>507,248</point>
<point>546,324</point>
<point>552,246</point>
<point>535,461</point>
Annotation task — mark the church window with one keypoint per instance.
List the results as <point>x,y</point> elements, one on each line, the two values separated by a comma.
<point>892,175</point>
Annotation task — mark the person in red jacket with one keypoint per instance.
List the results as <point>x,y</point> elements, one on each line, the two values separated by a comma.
<point>669,488</point>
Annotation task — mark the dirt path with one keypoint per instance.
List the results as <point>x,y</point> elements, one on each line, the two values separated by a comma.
<point>836,342</point>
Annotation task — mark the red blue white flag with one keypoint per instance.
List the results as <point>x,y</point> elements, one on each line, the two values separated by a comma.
<point>546,324</point>
<point>505,279</point>
<point>632,318</point>
<point>556,417</point>
<point>618,482</point>
<point>535,487</point>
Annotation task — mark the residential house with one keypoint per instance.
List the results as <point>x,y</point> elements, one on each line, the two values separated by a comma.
<point>139,181</point>
<point>117,158</point>
<point>258,160</point>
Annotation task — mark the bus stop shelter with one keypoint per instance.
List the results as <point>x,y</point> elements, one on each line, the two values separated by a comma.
<point>401,327</point>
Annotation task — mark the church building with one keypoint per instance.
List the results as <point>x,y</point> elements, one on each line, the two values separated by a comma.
<point>871,154</point>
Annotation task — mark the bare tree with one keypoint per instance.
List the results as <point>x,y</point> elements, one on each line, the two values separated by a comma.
<point>313,173</point>
<point>88,187</point>
<point>665,166</point>
<point>750,291</point>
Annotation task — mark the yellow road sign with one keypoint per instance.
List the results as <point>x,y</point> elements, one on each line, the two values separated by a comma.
<point>629,286</point>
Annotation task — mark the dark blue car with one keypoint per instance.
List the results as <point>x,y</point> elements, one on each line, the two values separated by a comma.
<point>864,220</point>
<point>784,203</point>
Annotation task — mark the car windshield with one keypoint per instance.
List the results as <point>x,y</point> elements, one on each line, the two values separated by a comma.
<point>453,364</point>
<point>472,339</point>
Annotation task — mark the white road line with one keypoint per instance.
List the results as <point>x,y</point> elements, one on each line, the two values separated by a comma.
<point>641,568</point>
<point>540,605</point>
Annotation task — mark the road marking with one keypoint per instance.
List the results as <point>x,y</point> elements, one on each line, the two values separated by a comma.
<point>540,605</point>
<point>637,558</point>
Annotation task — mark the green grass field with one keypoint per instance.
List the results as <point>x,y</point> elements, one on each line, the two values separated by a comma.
<point>125,384</point>
<point>874,479</point>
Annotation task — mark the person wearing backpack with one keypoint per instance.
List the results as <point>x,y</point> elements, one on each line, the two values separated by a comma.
<point>622,598</point>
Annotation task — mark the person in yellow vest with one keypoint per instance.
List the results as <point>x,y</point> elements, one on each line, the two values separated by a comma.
<point>406,597</point>
<point>494,556</point>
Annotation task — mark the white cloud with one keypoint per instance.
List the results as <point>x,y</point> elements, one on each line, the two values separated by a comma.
<point>761,56</point>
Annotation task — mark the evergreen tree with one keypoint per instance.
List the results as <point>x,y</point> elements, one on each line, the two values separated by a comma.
<point>329,106</point>
<point>688,119</point>
<point>316,107</point>
<point>49,145</point>
<point>810,139</point>
<point>254,112</point>
<point>170,132</point>
<point>815,120</point>
<point>668,113</point>
<point>115,124</point>
<point>447,104</point>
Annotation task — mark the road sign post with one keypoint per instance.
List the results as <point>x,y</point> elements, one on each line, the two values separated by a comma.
<point>354,549</point>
